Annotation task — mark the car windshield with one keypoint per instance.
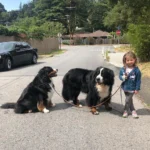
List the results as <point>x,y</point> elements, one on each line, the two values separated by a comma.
<point>5,46</point>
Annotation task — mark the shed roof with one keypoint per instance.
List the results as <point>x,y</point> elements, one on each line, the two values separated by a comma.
<point>97,33</point>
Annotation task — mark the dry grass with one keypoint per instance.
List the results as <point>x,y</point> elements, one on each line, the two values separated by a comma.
<point>53,53</point>
<point>144,67</point>
<point>123,49</point>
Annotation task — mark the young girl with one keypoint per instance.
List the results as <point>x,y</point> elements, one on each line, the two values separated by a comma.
<point>131,77</point>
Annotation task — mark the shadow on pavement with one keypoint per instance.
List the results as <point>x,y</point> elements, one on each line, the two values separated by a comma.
<point>60,106</point>
<point>117,108</point>
<point>22,67</point>
<point>26,66</point>
<point>143,111</point>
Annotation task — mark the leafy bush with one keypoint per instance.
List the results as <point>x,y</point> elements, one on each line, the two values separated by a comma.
<point>65,42</point>
<point>8,31</point>
<point>36,33</point>
<point>3,30</point>
<point>139,37</point>
<point>12,32</point>
<point>52,28</point>
<point>124,39</point>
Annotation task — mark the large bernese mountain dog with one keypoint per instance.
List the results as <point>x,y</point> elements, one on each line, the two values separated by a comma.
<point>96,84</point>
<point>37,95</point>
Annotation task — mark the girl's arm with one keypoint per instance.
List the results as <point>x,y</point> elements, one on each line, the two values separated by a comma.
<point>122,76</point>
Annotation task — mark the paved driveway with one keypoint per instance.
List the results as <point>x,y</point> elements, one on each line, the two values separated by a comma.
<point>66,127</point>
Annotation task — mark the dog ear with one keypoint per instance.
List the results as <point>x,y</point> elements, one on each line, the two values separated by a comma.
<point>112,73</point>
<point>43,71</point>
<point>112,76</point>
<point>95,73</point>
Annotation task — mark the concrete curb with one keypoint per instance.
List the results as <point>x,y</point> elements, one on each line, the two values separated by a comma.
<point>115,58</point>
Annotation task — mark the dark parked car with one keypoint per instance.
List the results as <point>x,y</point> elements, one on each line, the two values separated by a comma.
<point>16,53</point>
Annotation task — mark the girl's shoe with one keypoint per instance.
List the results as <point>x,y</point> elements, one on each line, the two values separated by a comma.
<point>125,114</point>
<point>134,114</point>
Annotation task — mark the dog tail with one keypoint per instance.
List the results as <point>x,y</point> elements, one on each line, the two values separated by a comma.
<point>8,106</point>
<point>65,89</point>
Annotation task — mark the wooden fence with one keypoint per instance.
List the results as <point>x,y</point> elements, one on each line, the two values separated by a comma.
<point>44,46</point>
<point>93,41</point>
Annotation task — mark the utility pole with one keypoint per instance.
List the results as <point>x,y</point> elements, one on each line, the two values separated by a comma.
<point>69,20</point>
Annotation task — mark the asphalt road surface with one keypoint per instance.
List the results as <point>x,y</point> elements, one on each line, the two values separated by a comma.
<point>67,127</point>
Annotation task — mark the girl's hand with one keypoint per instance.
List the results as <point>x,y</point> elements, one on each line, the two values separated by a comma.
<point>124,77</point>
<point>136,92</point>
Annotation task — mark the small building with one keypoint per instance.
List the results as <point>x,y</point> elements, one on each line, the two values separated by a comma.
<point>97,37</point>
<point>96,34</point>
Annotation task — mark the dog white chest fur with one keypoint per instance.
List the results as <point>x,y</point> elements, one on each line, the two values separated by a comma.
<point>103,90</point>
<point>50,93</point>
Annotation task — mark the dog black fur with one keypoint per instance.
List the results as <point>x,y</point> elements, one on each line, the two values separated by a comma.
<point>37,95</point>
<point>96,84</point>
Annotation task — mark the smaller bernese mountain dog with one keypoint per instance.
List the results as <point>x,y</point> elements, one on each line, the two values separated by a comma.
<point>97,84</point>
<point>37,96</point>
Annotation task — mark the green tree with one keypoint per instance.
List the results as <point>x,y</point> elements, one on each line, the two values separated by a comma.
<point>126,12</point>
<point>3,30</point>
<point>118,16</point>
<point>77,15</point>
<point>139,37</point>
<point>97,14</point>
<point>134,17</point>
<point>49,10</point>
<point>2,8</point>
<point>2,14</point>
<point>52,28</point>
<point>35,32</point>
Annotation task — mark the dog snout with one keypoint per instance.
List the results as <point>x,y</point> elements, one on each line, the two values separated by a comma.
<point>98,80</point>
<point>56,70</point>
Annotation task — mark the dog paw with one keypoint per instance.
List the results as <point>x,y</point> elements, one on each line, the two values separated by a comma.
<point>53,105</point>
<point>96,113</point>
<point>80,106</point>
<point>45,110</point>
<point>29,111</point>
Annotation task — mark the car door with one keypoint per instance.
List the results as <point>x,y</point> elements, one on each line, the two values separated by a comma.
<point>19,54</point>
<point>28,53</point>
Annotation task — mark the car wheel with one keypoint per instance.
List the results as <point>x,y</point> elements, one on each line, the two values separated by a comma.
<point>8,64</point>
<point>34,59</point>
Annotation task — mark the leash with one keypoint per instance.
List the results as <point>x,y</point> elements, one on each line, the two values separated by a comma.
<point>87,106</point>
<point>121,95</point>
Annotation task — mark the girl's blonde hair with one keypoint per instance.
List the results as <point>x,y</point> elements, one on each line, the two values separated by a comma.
<point>129,54</point>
